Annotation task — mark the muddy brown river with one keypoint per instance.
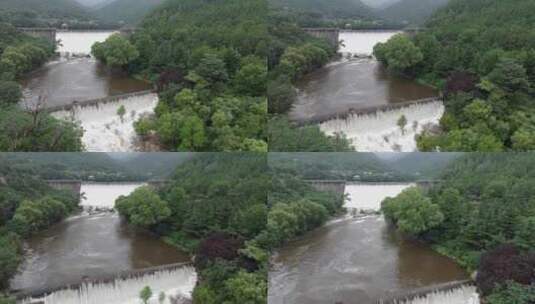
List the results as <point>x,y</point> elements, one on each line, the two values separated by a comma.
<point>356,260</point>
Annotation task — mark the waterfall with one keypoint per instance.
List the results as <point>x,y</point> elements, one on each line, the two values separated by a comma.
<point>176,283</point>
<point>104,130</point>
<point>461,295</point>
<point>379,131</point>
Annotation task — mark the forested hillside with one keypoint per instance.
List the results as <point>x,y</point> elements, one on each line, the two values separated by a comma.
<point>126,11</point>
<point>483,215</point>
<point>411,12</point>
<point>482,54</point>
<point>211,76</point>
<point>216,208</point>
<point>27,206</point>
<point>329,13</point>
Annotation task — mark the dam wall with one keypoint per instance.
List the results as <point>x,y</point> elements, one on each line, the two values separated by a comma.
<point>49,34</point>
<point>337,187</point>
<point>70,185</point>
<point>331,35</point>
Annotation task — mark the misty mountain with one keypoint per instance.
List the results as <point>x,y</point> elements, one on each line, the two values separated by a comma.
<point>423,165</point>
<point>326,8</point>
<point>379,4</point>
<point>48,8</point>
<point>411,11</point>
<point>127,11</point>
<point>94,3</point>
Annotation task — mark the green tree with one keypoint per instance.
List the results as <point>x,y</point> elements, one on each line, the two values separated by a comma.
<point>10,92</point>
<point>399,53</point>
<point>143,207</point>
<point>116,51</point>
<point>10,259</point>
<point>247,288</point>
<point>412,212</point>
<point>145,294</point>
<point>121,112</point>
<point>402,123</point>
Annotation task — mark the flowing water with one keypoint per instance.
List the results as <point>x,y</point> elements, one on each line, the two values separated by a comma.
<point>68,79</point>
<point>363,83</point>
<point>462,295</point>
<point>93,246</point>
<point>356,260</point>
<point>380,132</point>
<point>104,129</point>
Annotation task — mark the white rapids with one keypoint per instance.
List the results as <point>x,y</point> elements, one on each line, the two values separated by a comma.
<point>104,195</point>
<point>461,295</point>
<point>379,131</point>
<point>104,130</point>
<point>177,283</point>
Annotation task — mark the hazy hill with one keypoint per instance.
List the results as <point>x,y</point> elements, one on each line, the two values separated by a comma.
<point>423,165</point>
<point>327,8</point>
<point>379,3</point>
<point>94,3</point>
<point>49,8</point>
<point>411,11</point>
<point>128,11</point>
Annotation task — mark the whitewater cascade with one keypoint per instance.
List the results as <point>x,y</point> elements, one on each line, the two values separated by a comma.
<point>176,283</point>
<point>367,196</point>
<point>104,129</point>
<point>379,131</point>
<point>461,295</point>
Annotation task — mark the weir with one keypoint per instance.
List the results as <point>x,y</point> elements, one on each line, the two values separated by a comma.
<point>377,129</point>
<point>464,292</point>
<point>98,101</point>
<point>331,35</point>
<point>174,279</point>
<point>104,129</point>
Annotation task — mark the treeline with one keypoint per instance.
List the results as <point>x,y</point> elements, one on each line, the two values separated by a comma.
<point>349,14</point>
<point>32,130</point>
<point>211,76</point>
<point>215,207</point>
<point>295,207</point>
<point>481,54</point>
<point>27,205</point>
<point>483,215</point>
<point>292,54</point>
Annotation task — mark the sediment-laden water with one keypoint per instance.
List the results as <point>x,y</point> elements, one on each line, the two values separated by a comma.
<point>356,259</point>
<point>104,129</point>
<point>75,76</point>
<point>352,84</point>
<point>95,246</point>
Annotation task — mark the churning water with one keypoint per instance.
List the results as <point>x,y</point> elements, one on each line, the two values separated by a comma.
<point>379,131</point>
<point>462,295</point>
<point>104,129</point>
<point>174,283</point>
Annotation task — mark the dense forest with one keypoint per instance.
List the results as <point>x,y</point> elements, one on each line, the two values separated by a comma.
<point>483,215</point>
<point>211,77</point>
<point>97,167</point>
<point>32,130</point>
<point>481,53</point>
<point>27,205</point>
<point>215,207</point>
<point>292,54</point>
